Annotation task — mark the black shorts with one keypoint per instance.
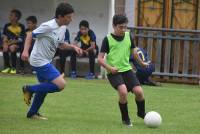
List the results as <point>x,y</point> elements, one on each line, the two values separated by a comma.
<point>128,78</point>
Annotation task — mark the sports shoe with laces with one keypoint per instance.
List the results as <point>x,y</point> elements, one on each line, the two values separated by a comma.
<point>13,71</point>
<point>150,82</point>
<point>27,95</point>
<point>7,70</point>
<point>72,74</point>
<point>90,76</point>
<point>37,117</point>
<point>141,115</point>
<point>127,123</point>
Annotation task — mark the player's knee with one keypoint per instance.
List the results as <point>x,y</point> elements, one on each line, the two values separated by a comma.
<point>62,85</point>
<point>12,49</point>
<point>139,93</point>
<point>5,49</point>
<point>123,94</point>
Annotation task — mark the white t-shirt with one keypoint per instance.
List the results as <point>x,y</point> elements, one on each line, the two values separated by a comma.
<point>48,36</point>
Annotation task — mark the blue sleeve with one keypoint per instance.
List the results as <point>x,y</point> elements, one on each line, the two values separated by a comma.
<point>5,29</point>
<point>92,36</point>
<point>77,38</point>
<point>67,36</point>
<point>23,32</point>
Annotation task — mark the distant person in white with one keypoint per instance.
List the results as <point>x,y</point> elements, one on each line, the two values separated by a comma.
<point>49,36</point>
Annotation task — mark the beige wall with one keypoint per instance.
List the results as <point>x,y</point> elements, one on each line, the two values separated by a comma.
<point>126,7</point>
<point>44,10</point>
<point>120,6</point>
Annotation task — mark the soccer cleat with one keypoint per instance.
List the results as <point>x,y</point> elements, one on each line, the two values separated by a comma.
<point>7,70</point>
<point>73,75</point>
<point>152,83</point>
<point>21,71</point>
<point>127,123</point>
<point>27,95</point>
<point>13,71</point>
<point>141,115</point>
<point>90,76</point>
<point>37,117</point>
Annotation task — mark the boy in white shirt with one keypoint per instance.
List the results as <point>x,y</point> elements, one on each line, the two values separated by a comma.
<point>49,36</point>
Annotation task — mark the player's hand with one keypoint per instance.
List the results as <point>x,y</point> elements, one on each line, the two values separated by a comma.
<point>85,52</point>
<point>25,56</point>
<point>78,50</point>
<point>146,64</point>
<point>113,70</point>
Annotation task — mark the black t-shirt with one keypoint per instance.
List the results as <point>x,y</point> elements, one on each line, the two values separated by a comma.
<point>105,45</point>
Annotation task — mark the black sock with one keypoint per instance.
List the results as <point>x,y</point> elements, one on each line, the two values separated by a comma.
<point>14,59</point>
<point>141,108</point>
<point>6,58</point>
<point>92,61</point>
<point>124,111</point>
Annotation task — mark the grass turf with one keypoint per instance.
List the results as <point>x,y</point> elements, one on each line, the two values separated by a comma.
<point>91,107</point>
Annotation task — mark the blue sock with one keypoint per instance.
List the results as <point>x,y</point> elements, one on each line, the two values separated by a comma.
<point>37,102</point>
<point>43,88</point>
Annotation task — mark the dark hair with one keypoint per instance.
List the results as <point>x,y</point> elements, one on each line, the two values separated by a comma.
<point>32,19</point>
<point>17,13</point>
<point>119,19</point>
<point>84,23</point>
<point>63,9</point>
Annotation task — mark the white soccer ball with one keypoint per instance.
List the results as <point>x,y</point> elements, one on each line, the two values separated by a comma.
<point>152,119</point>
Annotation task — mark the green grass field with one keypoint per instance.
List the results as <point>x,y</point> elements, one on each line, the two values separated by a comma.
<point>91,107</point>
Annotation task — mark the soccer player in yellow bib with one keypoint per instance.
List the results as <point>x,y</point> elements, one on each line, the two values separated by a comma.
<point>118,46</point>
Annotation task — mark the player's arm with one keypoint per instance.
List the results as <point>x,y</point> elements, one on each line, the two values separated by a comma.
<point>75,43</point>
<point>5,40</point>
<point>134,52</point>
<point>102,62</point>
<point>10,42</point>
<point>76,40</point>
<point>5,37</point>
<point>137,57</point>
<point>66,45</point>
<point>27,44</point>
<point>92,41</point>
<point>93,45</point>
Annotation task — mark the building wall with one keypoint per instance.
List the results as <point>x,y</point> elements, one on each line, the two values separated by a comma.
<point>95,12</point>
<point>120,6</point>
<point>126,7</point>
<point>130,12</point>
<point>44,10</point>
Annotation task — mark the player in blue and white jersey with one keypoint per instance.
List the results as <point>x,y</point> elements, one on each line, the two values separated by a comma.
<point>49,36</point>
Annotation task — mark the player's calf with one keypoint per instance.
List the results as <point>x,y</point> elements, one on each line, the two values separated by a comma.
<point>140,108</point>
